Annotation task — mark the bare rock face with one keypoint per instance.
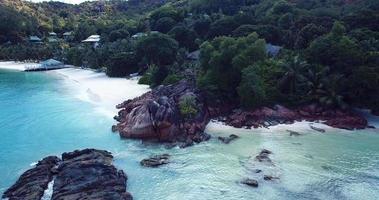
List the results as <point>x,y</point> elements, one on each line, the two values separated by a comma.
<point>79,175</point>
<point>32,183</point>
<point>156,116</point>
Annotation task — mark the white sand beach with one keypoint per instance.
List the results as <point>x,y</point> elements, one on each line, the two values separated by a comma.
<point>91,86</point>
<point>12,65</point>
<point>99,89</point>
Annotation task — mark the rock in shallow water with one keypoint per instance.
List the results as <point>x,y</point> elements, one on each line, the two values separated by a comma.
<point>263,156</point>
<point>250,182</point>
<point>85,174</point>
<point>156,161</point>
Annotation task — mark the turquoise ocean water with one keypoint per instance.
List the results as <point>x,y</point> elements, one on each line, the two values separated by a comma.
<point>40,116</point>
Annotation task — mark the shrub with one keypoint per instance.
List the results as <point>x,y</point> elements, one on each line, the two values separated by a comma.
<point>187,106</point>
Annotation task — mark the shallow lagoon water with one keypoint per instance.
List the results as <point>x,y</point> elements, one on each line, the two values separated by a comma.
<point>41,115</point>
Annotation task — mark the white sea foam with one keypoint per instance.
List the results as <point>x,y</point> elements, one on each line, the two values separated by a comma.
<point>49,191</point>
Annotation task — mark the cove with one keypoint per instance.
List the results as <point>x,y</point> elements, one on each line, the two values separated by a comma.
<point>43,114</point>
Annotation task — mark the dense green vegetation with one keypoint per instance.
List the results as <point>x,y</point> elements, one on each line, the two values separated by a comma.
<point>329,49</point>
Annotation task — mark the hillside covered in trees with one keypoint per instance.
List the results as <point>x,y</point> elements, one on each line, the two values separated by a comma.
<point>252,53</point>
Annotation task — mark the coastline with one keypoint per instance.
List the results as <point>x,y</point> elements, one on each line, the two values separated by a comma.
<point>13,65</point>
<point>91,86</point>
<point>105,92</point>
<point>220,166</point>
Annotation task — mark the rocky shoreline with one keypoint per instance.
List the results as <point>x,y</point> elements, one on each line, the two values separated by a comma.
<point>82,174</point>
<point>265,117</point>
<point>156,116</point>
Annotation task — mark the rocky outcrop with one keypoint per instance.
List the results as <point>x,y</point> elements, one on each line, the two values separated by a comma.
<point>156,161</point>
<point>157,116</point>
<point>32,184</point>
<point>265,116</point>
<point>79,175</point>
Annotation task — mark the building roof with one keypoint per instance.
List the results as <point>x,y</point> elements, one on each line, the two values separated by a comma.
<point>67,33</point>
<point>92,38</point>
<point>34,39</point>
<point>273,50</point>
<point>50,63</point>
<point>195,55</point>
<point>137,35</point>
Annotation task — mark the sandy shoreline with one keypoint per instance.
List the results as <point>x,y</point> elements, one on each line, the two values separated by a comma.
<point>12,65</point>
<point>91,86</point>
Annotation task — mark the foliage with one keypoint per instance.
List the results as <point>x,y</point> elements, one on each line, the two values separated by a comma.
<point>159,49</point>
<point>187,106</point>
<point>251,89</point>
<point>222,61</point>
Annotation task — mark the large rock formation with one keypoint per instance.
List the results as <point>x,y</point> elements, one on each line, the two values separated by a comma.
<point>32,184</point>
<point>156,115</point>
<point>79,175</point>
<point>266,116</point>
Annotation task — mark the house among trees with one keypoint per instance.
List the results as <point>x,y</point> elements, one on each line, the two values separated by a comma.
<point>93,39</point>
<point>138,35</point>
<point>52,37</point>
<point>67,35</point>
<point>35,39</point>
<point>272,50</point>
<point>195,55</point>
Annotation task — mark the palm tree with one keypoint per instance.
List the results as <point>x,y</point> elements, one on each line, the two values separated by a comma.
<point>323,87</point>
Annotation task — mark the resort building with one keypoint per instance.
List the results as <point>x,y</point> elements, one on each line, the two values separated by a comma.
<point>67,35</point>
<point>35,40</point>
<point>272,50</point>
<point>52,37</point>
<point>93,39</point>
<point>49,64</point>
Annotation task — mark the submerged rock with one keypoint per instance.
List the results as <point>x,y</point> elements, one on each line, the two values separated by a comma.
<point>293,133</point>
<point>156,115</point>
<point>156,161</point>
<point>317,129</point>
<point>263,156</point>
<point>79,175</point>
<point>269,177</point>
<point>250,182</point>
<point>227,140</point>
